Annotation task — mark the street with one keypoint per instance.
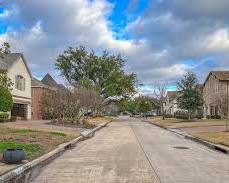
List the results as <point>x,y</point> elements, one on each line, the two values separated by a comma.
<point>129,150</point>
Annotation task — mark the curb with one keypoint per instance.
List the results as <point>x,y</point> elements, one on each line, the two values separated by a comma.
<point>27,172</point>
<point>216,147</point>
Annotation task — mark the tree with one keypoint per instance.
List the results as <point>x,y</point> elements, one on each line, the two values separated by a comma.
<point>160,91</point>
<point>5,81</point>
<point>6,100</point>
<point>4,49</point>
<point>190,97</point>
<point>70,105</point>
<point>103,73</point>
<point>143,104</point>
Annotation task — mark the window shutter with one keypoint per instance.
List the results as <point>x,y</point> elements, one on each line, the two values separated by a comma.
<point>23,84</point>
<point>16,82</point>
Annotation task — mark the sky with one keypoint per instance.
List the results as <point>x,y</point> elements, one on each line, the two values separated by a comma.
<point>160,39</point>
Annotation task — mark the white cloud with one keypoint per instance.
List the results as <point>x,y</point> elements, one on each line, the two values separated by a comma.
<point>160,40</point>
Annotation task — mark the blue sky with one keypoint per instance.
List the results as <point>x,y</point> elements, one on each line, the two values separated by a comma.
<point>160,39</point>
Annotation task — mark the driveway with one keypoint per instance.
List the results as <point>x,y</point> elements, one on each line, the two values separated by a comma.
<point>132,151</point>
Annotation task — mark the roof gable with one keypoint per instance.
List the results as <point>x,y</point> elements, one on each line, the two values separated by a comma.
<point>48,80</point>
<point>9,59</point>
<point>220,75</point>
<point>172,94</point>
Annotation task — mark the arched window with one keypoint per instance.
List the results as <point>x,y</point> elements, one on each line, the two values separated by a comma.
<point>20,82</point>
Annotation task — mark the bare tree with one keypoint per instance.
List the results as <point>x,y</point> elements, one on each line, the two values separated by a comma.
<point>160,92</point>
<point>71,105</point>
<point>221,102</point>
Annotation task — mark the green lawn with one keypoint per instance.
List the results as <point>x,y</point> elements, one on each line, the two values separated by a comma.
<point>34,142</point>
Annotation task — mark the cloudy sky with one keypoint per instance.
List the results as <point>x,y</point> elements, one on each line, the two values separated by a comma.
<point>161,39</point>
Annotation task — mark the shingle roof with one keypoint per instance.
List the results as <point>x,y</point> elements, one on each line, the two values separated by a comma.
<point>37,83</point>
<point>172,94</point>
<point>221,75</point>
<point>48,80</point>
<point>9,59</point>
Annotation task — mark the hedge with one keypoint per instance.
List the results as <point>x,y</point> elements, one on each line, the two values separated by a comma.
<point>4,117</point>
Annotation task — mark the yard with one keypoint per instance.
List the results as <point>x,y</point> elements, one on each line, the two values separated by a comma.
<point>214,137</point>
<point>39,137</point>
<point>180,123</point>
<point>211,130</point>
<point>34,142</point>
<point>99,120</point>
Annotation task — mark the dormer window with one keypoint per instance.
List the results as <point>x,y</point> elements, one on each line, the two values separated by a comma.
<point>20,82</point>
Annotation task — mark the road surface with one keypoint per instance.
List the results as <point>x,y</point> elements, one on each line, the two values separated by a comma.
<point>131,151</point>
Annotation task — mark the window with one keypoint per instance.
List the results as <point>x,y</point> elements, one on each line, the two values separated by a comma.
<point>20,82</point>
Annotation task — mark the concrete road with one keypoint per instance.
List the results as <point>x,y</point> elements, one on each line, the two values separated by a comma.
<point>132,151</point>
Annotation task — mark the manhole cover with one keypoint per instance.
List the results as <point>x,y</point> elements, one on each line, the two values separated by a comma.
<point>180,147</point>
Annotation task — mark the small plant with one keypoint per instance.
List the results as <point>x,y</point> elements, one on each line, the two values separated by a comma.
<point>58,134</point>
<point>4,117</point>
<point>25,131</point>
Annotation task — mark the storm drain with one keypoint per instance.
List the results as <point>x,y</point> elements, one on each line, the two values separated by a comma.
<point>180,147</point>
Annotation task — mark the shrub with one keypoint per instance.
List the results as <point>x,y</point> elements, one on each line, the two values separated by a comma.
<point>169,116</point>
<point>6,100</point>
<point>181,115</point>
<point>4,117</point>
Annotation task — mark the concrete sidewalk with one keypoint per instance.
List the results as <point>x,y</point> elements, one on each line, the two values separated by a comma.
<point>113,155</point>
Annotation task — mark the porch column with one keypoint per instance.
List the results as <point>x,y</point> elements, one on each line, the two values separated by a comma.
<point>29,111</point>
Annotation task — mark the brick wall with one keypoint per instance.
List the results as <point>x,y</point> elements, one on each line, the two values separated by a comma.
<point>36,103</point>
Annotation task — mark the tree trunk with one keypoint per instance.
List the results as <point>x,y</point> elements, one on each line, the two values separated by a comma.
<point>163,112</point>
<point>189,115</point>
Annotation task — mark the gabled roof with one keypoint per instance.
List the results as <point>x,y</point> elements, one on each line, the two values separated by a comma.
<point>38,83</point>
<point>9,59</point>
<point>220,75</point>
<point>48,80</point>
<point>172,94</point>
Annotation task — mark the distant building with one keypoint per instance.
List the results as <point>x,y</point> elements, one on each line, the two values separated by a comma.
<point>17,70</point>
<point>171,103</point>
<point>215,94</point>
<point>47,84</point>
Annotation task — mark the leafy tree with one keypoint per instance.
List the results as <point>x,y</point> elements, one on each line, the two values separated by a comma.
<point>6,100</point>
<point>137,105</point>
<point>4,49</point>
<point>190,97</point>
<point>143,104</point>
<point>104,73</point>
<point>5,81</point>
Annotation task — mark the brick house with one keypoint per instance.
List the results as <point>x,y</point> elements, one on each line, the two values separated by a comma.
<point>215,94</point>
<point>14,64</point>
<point>47,84</point>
